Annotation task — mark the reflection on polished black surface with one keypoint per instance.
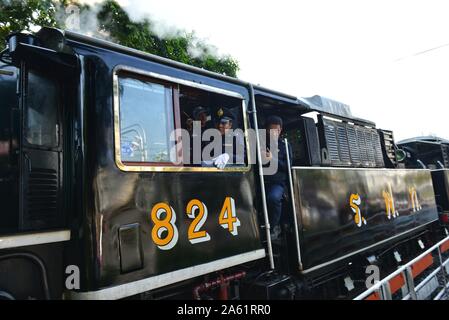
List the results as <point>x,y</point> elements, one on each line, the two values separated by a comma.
<point>329,229</point>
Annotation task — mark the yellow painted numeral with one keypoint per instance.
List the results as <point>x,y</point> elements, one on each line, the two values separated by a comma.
<point>354,203</point>
<point>414,199</point>
<point>164,233</point>
<point>389,203</point>
<point>197,211</point>
<point>228,218</point>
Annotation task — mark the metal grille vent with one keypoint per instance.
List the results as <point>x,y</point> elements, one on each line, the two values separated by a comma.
<point>343,144</point>
<point>42,194</point>
<point>445,154</point>
<point>377,149</point>
<point>362,146</point>
<point>370,149</point>
<point>332,144</point>
<point>389,145</point>
<point>354,149</point>
<point>352,145</point>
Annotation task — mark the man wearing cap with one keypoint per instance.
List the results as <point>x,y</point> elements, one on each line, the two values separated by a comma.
<point>231,141</point>
<point>200,115</point>
<point>227,142</point>
<point>275,184</point>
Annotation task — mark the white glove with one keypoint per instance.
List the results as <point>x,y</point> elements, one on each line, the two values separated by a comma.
<point>221,161</point>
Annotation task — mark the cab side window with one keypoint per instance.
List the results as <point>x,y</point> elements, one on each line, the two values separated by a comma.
<point>158,121</point>
<point>146,121</point>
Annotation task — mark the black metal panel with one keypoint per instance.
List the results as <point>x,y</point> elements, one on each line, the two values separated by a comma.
<point>124,198</point>
<point>433,154</point>
<point>440,180</point>
<point>130,247</point>
<point>303,137</point>
<point>115,198</point>
<point>9,122</point>
<point>270,287</point>
<point>40,151</point>
<point>327,221</point>
<point>312,142</point>
<point>21,275</point>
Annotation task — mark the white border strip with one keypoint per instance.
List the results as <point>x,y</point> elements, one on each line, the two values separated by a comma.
<point>136,287</point>
<point>360,168</point>
<point>31,239</point>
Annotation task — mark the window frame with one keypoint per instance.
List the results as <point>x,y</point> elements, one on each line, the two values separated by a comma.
<point>174,83</point>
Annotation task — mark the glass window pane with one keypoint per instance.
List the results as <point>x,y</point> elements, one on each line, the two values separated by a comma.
<point>41,118</point>
<point>146,121</point>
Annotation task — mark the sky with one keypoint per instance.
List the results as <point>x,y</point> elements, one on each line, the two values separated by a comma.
<point>362,53</point>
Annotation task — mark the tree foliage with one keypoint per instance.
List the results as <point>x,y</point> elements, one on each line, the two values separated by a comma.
<point>23,15</point>
<point>113,20</point>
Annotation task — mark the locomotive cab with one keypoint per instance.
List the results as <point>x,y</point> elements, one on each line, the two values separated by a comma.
<point>349,198</point>
<point>36,112</point>
<point>35,166</point>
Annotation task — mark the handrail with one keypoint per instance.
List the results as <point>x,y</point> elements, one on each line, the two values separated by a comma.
<point>261,179</point>
<point>441,293</point>
<point>380,284</point>
<point>292,195</point>
<point>427,279</point>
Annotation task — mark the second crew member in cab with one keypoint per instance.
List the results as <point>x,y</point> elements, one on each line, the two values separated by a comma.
<point>231,143</point>
<point>202,115</point>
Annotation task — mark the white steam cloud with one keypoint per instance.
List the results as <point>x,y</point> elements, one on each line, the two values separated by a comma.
<point>76,19</point>
<point>139,10</point>
<point>85,21</point>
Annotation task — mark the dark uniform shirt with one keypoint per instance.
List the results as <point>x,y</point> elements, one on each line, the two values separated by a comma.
<point>281,174</point>
<point>234,145</point>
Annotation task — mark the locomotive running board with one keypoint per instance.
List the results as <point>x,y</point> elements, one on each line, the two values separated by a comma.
<point>147,284</point>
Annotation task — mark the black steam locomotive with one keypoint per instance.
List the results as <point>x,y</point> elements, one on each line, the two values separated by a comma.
<point>94,207</point>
